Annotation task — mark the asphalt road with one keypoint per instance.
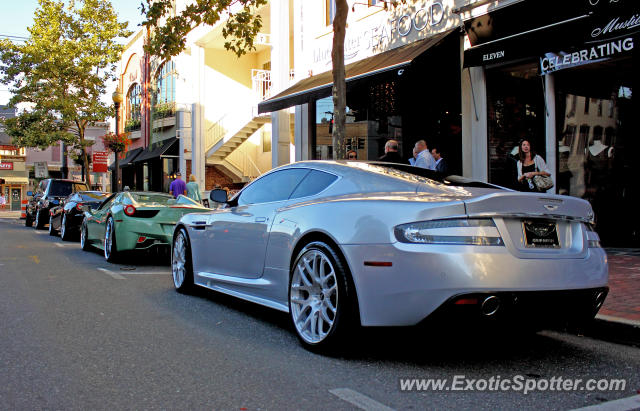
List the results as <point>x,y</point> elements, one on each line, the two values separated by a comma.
<point>79,333</point>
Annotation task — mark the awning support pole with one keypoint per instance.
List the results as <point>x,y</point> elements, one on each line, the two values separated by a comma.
<point>544,94</point>
<point>473,94</point>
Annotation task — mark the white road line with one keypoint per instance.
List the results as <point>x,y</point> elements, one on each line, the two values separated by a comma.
<point>63,245</point>
<point>624,404</point>
<point>145,272</point>
<point>111,273</point>
<point>359,400</point>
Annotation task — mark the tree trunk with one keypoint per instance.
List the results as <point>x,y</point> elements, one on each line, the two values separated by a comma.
<point>339,84</point>
<point>85,157</point>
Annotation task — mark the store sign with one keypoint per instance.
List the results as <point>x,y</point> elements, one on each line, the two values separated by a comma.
<point>100,161</point>
<point>558,61</point>
<point>385,31</point>
<point>6,166</point>
<point>41,170</point>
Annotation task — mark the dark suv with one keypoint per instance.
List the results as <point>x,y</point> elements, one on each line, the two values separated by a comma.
<point>48,194</point>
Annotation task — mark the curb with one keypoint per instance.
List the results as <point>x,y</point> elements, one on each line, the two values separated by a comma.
<point>614,329</point>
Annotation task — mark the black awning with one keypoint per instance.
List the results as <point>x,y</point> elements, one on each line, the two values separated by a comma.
<point>128,160</point>
<point>320,85</point>
<point>160,149</point>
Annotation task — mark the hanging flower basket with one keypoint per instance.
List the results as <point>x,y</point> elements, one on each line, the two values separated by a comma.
<point>116,143</point>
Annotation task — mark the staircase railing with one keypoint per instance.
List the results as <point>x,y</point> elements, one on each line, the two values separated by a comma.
<point>243,162</point>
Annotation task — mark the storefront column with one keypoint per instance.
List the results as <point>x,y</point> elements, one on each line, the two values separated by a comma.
<point>301,130</point>
<point>280,68</point>
<point>198,155</point>
<point>474,124</point>
<point>550,126</point>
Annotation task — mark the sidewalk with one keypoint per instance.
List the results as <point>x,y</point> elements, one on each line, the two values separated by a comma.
<point>9,214</point>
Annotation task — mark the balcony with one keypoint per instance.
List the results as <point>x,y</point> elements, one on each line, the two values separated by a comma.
<point>261,83</point>
<point>163,115</point>
<point>132,124</point>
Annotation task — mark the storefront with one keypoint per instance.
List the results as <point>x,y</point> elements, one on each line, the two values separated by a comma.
<point>157,165</point>
<point>562,78</point>
<point>14,181</point>
<point>403,83</point>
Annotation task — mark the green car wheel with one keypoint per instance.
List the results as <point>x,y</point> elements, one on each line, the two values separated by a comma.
<point>110,248</point>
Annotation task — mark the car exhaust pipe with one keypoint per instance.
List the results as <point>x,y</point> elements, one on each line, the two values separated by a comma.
<point>490,306</point>
<point>599,299</point>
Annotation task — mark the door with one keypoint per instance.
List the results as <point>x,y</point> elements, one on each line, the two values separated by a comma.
<point>97,219</point>
<point>15,199</point>
<point>235,239</point>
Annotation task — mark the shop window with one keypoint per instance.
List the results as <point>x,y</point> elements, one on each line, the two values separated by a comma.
<point>597,168</point>
<point>330,11</point>
<point>515,111</point>
<point>134,99</point>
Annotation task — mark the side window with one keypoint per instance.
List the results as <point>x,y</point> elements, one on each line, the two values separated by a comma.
<point>106,203</point>
<point>273,187</point>
<point>313,183</point>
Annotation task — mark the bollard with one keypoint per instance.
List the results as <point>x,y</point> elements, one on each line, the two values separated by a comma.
<point>23,209</point>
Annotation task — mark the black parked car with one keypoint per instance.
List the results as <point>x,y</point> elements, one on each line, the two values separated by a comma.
<point>48,194</point>
<point>67,217</point>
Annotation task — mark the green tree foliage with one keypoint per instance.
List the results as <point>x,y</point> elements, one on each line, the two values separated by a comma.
<point>61,72</point>
<point>170,29</point>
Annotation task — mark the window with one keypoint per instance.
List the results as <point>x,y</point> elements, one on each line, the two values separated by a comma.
<point>330,11</point>
<point>586,105</point>
<point>276,186</point>
<point>165,88</point>
<point>313,183</point>
<point>374,2</point>
<point>134,98</point>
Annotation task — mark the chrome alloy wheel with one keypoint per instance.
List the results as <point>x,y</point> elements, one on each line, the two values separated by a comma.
<point>109,232</point>
<point>313,296</point>
<point>178,260</point>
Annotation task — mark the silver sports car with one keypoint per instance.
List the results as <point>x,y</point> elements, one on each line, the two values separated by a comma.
<point>341,244</point>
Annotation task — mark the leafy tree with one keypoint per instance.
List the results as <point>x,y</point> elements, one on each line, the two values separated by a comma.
<point>60,72</point>
<point>339,83</point>
<point>170,29</point>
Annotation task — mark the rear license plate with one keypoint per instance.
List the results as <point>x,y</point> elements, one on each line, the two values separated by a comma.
<point>540,234</point>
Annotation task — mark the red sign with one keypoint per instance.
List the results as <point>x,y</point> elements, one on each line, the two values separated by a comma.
<point>100,161</point>
<point>6,166</point>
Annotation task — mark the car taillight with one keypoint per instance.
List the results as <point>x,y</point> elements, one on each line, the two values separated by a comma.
<point>79,206</point>
<point>129,210</point>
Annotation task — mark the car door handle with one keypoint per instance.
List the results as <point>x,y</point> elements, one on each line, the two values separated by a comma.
<point>261,219</point>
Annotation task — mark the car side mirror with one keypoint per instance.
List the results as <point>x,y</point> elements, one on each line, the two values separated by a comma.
<point>218,195</point>
<point>29,193</point>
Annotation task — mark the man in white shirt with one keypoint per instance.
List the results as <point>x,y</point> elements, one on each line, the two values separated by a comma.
<point>412,160</point>
<point>424,159</point>
<point>3,201</point>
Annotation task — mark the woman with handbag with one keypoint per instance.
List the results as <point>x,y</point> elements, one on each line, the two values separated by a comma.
<point>533,173</point>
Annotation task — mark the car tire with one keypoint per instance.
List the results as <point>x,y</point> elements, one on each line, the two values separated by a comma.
<point>39,224</point>
<point>181,263</point>
<point>65,235</point>
<point>52,232</point>
<point>322,310</point>
<point>28,221</point>
<point>110,247</point>
<point>84,237</point>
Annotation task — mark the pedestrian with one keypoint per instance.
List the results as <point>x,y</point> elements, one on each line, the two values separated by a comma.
<point>193,191</point>
<point>3,201</point>
<point>391,154</point>
<point>529,165</point>
<point>352,155</point>
<point>412,160</point>
<point>424,159</point>
<point>178,187</point>
<point>441,165</point>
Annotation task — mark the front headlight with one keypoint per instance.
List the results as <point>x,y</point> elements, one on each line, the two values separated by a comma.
<point>458,231</point>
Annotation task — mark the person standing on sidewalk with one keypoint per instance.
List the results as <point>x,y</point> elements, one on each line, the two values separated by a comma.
<point>3,201</point>
<point>178,186</point>
<point>193,191</point>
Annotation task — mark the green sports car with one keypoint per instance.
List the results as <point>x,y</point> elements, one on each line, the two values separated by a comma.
<point>133,220</point>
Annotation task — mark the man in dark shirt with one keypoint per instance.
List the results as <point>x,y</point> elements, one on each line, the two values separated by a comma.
<point>441,165</point>
<point>391,154</point>
<point>178,186</point>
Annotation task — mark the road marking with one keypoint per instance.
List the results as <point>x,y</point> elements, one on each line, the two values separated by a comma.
<point>359,400</point>
<point>625,404</point>
<point>111,273</point>
<point>63,245</point>
<point>35,259</point>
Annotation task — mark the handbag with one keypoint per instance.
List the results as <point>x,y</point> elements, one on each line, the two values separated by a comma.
<point>543,183</point>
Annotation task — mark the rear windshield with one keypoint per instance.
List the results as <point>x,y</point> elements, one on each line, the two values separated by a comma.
<point>453,180</point>
<point>64,188</point>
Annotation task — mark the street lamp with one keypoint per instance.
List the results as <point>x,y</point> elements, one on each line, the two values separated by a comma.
<point>117,99</point>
